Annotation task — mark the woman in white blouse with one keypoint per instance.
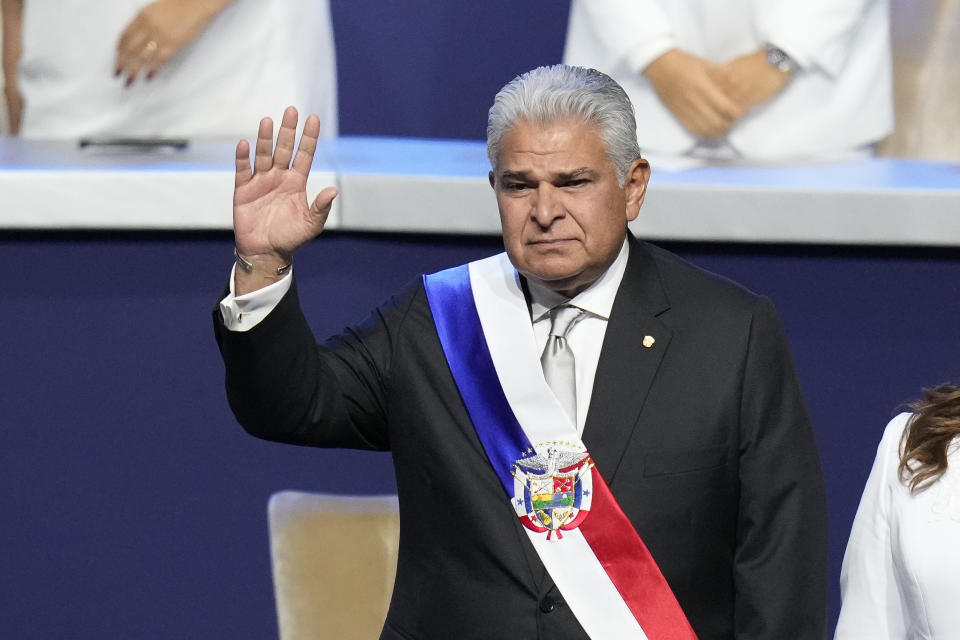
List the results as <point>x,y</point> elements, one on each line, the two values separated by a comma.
<point>901,571</point>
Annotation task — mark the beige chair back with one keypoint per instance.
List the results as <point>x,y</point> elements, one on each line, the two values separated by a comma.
<point>334,562</point>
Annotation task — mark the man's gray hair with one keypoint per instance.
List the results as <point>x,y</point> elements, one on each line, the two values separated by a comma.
<point>549,94</point>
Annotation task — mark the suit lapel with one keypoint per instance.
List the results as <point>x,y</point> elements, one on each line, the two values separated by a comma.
<point>627,366</point>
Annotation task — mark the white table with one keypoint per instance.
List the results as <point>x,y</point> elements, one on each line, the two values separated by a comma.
<point>440,186</point>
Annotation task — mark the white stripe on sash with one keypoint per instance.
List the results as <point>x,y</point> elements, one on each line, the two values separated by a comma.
<point>571,562</point>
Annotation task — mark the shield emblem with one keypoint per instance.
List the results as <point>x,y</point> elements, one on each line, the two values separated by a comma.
<point>552,489</point>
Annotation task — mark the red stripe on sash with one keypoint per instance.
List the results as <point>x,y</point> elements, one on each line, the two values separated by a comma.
<point>632,569</point>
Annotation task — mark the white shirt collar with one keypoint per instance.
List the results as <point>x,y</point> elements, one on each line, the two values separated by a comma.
<point>596,299</point>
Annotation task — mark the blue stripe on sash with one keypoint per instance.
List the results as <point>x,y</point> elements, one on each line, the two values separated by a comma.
<point>461,335</point>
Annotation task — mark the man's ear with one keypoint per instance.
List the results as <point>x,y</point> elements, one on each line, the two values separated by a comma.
<point>635,187</point>
<point>493,180</point>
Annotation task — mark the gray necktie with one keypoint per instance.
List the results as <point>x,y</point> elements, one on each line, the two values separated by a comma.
<point>557,359</point>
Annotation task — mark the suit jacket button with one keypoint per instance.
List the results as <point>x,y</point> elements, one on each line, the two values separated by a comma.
<point>547,604</point>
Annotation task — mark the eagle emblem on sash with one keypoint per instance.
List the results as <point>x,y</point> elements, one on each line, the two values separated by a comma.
<point>553,487</point>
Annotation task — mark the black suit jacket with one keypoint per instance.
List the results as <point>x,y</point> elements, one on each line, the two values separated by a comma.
<point>703,439</point>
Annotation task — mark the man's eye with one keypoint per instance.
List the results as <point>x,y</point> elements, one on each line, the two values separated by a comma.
<point>514,186</point>
<point>579,182</point>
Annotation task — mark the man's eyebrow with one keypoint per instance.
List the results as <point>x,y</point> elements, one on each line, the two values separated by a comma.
<point>565,175</point>
<point>576,173</point>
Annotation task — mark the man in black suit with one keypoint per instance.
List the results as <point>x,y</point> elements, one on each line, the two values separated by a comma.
<point>685,397</point>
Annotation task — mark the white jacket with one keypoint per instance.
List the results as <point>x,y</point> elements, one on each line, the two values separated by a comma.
<point>254,59</point>
<point>841,99</point>
<point>899,576</point>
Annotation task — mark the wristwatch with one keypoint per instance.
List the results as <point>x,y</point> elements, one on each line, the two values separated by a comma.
<point>779,59</point>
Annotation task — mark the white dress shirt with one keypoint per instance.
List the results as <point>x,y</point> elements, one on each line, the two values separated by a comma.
<point>585,337</point>
<point>242,313</point>
<point>901,570</point>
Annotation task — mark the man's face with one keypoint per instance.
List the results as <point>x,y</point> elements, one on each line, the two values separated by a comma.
<point>563,214</point>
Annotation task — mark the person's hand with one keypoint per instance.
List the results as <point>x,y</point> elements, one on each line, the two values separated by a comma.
<point>750,80</point>
<point>14,109</point>
<point>159,31</point>
<point>271,217</point>
<point>11,12</point>
<point>687,87</point>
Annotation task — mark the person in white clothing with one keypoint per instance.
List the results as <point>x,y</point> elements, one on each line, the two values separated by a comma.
<point>901,570</point>
<point>167,68</point>
<point>736,79</point>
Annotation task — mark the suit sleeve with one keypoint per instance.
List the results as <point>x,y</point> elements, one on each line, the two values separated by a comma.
<point>780,570</point>
<point>285,387</point>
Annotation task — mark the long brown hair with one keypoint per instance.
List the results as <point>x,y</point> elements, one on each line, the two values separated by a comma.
<point>935,422</point>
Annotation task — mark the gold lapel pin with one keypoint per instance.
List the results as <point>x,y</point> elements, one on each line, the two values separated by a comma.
<point>648,341</point>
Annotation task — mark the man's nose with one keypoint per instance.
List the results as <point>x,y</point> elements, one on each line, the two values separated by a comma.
<point>547,206</point>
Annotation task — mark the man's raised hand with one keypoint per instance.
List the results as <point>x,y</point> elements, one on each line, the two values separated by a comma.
<point>271,217</point>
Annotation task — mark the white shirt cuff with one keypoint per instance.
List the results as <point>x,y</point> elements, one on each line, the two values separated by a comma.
<point>242,313</point>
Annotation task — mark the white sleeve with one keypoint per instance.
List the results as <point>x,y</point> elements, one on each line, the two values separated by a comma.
<point>242,313</point>
<point>814,32</point>
<point>872,608</point>
<point>630,32</point>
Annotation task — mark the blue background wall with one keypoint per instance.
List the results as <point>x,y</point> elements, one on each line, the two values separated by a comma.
<point>431,69</point>
<point>133,506</point>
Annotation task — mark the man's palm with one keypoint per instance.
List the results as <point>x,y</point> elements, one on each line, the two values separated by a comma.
<point>270,211</point>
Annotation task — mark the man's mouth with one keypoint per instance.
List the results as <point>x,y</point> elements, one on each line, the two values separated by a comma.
<point>550,241</point>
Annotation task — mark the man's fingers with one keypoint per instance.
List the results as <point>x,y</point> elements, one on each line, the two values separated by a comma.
<point>263,160</point>
<point>286,138</point>
<point>244,173</point>
<point>322,203</point>
<point>308,146</point>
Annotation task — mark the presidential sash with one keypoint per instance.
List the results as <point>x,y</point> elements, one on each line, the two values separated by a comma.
<point>594,555</point>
